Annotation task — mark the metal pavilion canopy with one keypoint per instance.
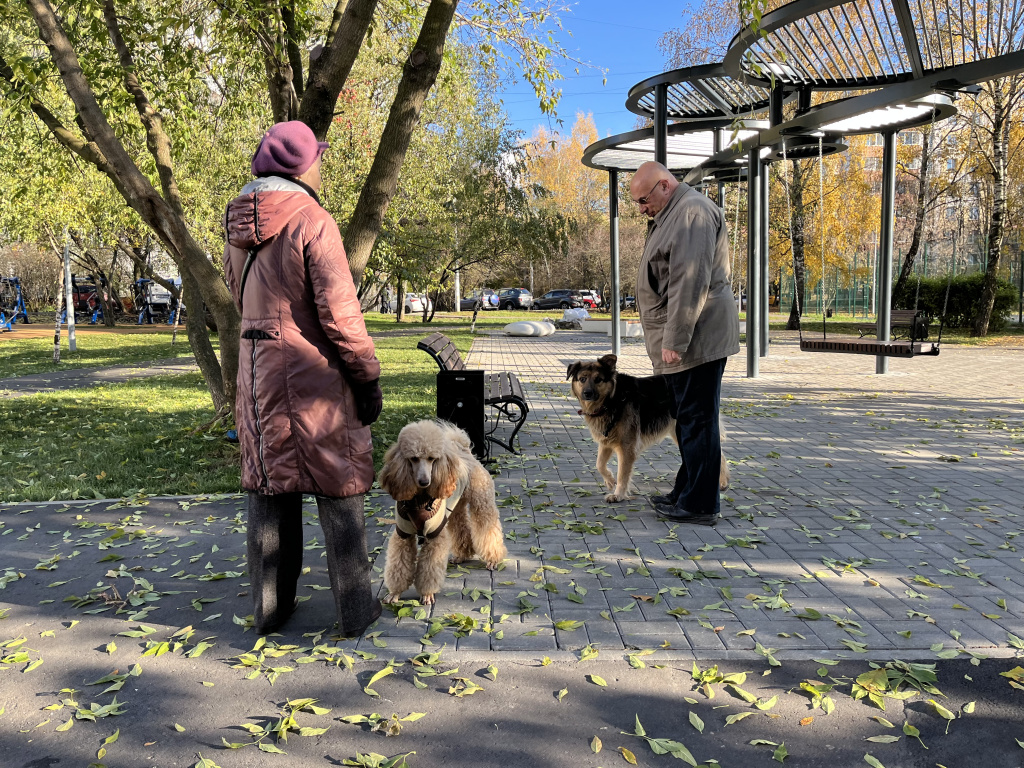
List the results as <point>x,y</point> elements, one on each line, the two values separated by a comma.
<point>697,93</point>
<point>841,44</point>
<point>911,56</point>
<point>687,145</point>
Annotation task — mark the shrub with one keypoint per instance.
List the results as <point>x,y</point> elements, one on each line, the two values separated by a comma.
<point>964,299</point>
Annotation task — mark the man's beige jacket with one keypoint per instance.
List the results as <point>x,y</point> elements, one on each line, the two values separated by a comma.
<point>683,287</point>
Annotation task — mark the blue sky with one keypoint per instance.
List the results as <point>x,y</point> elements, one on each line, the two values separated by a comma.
<point>618,35</point>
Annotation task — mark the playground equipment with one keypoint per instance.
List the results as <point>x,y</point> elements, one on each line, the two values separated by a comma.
<point>154,303</point>
<point>12,303</point>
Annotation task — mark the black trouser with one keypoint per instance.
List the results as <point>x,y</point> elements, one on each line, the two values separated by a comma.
<point>275,558</point>
<point>698,394</point>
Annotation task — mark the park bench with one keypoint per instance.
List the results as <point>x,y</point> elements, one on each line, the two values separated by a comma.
<point>910,324</point>
<point>463,394</point>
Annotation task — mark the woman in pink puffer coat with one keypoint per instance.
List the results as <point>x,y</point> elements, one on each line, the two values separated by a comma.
<point>308,381</point>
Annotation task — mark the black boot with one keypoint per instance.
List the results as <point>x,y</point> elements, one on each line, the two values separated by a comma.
<point>274,544</point>
<point>348,563</point>
<point>668,499</point>
<point>675,514</point>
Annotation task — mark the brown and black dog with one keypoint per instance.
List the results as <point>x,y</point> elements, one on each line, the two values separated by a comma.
<point>626,414</point>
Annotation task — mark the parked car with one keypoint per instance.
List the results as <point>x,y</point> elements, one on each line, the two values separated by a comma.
<point>561,299</point>
<point>515,298</point>
<point>486,297</point>
<point>414,303</point>
<point>591,298</point>
<point>627,302</point>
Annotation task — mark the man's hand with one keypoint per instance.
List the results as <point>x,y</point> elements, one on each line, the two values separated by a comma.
<point>669,356</point>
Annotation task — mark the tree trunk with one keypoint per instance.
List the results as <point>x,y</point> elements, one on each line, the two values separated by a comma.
<point>418,77</point>
<point>919,213</point>
<point>199,341</point>
<point>329,70</point>
<point>799,268</point>
<point>284,98</point>
<point>105,150</point>
<point>1000,147</point>
<point>400,301</point>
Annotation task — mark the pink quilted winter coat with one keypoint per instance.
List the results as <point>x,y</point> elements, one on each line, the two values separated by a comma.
<point>303,344</point>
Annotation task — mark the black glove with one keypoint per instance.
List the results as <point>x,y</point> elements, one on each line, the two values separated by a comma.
<point>369,401</point>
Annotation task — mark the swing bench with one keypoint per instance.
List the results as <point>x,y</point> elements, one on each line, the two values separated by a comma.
<point>876,347</point>
<point>912,322</point>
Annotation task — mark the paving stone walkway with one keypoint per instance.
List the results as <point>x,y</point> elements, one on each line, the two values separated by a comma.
<point>869,517</point>
<point>867,514</point>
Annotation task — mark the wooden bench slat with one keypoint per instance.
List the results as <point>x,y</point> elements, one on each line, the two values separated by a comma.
<point>910,321</point>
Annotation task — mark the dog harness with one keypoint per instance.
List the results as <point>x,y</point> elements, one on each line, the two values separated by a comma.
<point>431,528</point>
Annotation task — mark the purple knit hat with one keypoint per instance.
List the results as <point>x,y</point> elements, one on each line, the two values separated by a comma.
<point>287,148</point>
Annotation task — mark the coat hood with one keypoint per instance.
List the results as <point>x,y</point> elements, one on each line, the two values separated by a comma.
<point>262,210</point>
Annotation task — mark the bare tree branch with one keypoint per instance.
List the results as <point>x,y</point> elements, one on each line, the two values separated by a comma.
<point>133,253</point>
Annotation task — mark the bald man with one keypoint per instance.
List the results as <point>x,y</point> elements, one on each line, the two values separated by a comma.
<point>691,326</point>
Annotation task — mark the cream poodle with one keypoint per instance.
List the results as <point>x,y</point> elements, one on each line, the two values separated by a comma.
<point>445,507</point>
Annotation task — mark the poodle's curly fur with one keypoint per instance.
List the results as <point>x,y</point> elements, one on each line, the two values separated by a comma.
<point>432,457</point>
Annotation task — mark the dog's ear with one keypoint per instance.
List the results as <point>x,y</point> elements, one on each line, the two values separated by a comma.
<point>572,370</point>
<point>444,477</point>
<point>395,476</point>
<point>608,362</point>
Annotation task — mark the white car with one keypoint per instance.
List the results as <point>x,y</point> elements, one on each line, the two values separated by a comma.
<point>414,303</point>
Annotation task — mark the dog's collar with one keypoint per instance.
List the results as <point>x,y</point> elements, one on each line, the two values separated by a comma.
<point>603,412</point>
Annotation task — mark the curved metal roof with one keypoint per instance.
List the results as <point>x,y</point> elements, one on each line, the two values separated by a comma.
<point>840,44</point>
<point>868,113</point>
<point>688,145</point>
<point>698,93</point>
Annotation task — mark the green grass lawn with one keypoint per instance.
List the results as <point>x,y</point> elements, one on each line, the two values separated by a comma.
<point>111,440</point>
<point>21,357</point>
<point>115,440</point>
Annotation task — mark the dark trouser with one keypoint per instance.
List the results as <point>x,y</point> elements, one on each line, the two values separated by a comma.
<point>275,558</point>
<point>698,394</point>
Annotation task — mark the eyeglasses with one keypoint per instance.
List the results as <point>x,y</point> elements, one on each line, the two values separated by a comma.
<point>643,200</point>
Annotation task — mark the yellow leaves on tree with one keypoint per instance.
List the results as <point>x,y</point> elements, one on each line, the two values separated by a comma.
<point>553,161</point>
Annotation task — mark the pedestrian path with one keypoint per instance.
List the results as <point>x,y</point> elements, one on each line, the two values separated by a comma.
<point>868,517</point>
<point>71,378</point>
<point>867,514</point>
